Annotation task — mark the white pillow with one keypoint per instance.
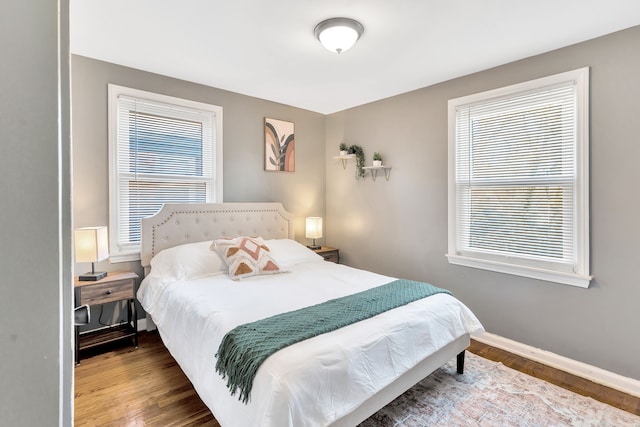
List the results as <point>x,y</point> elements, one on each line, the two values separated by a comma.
<point>188,261</point>
<point>288,252</point>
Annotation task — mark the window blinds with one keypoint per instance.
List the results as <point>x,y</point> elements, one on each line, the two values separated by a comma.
<point>515,176</point>
<point>164,155</point>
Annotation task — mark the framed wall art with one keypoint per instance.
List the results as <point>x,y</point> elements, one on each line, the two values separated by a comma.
<point>279,145</point>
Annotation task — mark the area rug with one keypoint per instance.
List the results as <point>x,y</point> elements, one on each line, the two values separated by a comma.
<point>491,394</point>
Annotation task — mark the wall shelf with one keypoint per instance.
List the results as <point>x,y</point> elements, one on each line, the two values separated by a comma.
<point>374,171</point>
<point>344,159</point>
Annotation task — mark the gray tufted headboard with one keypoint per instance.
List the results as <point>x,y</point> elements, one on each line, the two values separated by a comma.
<point>177,224</point>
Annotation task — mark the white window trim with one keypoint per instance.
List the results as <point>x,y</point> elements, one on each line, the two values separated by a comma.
<point>117,254</point>
<point>580,277</point>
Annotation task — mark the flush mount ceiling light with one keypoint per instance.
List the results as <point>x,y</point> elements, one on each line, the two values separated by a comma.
<point>338,34</point>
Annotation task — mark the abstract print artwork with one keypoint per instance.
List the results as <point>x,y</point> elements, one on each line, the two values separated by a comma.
<point>279,146</point>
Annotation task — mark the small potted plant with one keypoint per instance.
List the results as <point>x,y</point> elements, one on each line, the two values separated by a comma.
<point>359,153</point>
<point>343,149</point>
<point>377,159</point>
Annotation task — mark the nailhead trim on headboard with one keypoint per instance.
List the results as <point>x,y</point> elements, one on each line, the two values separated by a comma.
<point>177,224</point>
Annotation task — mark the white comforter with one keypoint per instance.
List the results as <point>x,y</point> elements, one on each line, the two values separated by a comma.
<point>314,382</point>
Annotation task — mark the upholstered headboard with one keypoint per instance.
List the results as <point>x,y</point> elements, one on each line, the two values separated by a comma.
<point>177,224</point>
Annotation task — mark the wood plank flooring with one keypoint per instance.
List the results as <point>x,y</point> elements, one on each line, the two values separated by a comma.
<point>145,387</point>
<point>142,387</point>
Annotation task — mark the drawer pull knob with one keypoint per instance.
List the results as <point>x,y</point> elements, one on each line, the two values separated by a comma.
<point>108,292</point>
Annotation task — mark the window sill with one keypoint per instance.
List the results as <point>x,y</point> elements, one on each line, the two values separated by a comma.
<point>531,272</point>
<point>134,256</point>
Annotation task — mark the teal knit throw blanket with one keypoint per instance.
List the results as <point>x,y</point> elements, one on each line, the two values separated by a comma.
<point>244,348</point>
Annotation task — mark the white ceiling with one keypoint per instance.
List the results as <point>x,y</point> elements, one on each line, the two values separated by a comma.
<point>267,49</point>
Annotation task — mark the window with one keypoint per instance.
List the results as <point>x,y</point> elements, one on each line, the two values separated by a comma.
<point>518,179</point>
<point>161,150</point>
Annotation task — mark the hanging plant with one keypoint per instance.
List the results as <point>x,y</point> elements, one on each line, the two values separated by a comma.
<point>357,150</point>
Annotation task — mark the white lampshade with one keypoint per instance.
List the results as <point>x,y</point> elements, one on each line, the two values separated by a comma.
<point>338,34</point>
<point>91,244</point>
<point>314,227</point>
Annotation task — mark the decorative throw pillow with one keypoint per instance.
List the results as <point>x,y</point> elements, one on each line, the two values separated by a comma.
<point>246,256</point>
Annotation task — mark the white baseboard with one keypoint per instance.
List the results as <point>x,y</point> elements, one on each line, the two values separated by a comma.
<point>146,324</point>
<point>142,324</point>
<point>597,375</point>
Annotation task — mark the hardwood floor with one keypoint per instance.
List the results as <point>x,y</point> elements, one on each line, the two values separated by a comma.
<point>145,387</point>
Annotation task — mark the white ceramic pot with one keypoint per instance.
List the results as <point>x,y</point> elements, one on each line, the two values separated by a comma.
<point>343,153</point>
<point>377,163</point>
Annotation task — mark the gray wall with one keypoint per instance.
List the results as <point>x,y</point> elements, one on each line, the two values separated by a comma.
<point>399,227</point>
<point>35,321</point>
<point>245,180</point>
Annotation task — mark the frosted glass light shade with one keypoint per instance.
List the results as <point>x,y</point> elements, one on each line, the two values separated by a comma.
<point>91,244</point>
<point>338,34</point>
<point>313,227</point>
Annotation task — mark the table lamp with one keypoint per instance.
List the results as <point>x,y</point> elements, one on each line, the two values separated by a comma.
<point>314,230</point>
<point>91,245</point>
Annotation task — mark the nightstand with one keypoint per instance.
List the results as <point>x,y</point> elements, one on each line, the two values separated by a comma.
<point>117,286</point>
<point>329,254</point>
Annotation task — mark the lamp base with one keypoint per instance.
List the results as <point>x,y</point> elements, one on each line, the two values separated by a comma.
<point>314,248</point>
<point>92,277</point>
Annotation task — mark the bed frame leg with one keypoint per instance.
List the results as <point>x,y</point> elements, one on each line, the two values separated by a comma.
<point>460,364</point>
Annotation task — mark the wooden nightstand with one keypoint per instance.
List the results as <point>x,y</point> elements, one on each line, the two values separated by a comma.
<point>117,286</point>
<point>329,254</point>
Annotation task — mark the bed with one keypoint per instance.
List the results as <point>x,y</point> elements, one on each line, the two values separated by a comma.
<point>338,378</point>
